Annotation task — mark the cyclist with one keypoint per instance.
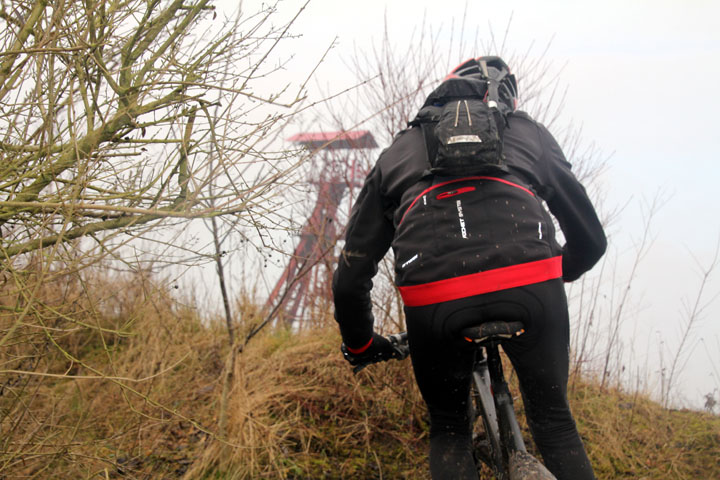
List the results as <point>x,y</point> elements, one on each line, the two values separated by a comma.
<point>512,281</point>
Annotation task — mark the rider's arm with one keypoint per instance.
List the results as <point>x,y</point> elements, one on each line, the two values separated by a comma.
<point>369,234</point>
<point>569,203</point>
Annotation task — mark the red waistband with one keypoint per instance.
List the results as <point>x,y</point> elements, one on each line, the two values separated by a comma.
<point>482,282</point>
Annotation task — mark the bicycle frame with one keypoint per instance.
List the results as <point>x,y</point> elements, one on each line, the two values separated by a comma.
<point>497,409</point>
<point>507,454</point>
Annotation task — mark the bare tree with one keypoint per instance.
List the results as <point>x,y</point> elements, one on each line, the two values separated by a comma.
<point>106,125</point>
<point>120,122</point>
<point>693,312</point>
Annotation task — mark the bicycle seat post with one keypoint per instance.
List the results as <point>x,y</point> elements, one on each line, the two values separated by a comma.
<point>492,355</point>
<point>509,429</point>
<point>489,335</point>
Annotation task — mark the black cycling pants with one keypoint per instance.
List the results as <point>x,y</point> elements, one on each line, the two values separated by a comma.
<point>442,362</point>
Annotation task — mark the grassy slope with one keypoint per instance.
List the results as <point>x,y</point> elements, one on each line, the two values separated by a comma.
<point>375,422</point>
<point>294,410</point>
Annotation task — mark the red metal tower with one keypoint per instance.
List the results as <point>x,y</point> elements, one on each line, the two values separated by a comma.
<point>302,280</point>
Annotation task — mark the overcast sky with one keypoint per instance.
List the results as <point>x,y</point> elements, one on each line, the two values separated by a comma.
<point>641,78</point>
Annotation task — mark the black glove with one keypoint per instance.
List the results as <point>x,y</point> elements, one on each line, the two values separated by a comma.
<point>380,349</point>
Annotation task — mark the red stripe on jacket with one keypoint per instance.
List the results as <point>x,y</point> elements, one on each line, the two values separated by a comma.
<point>482,282</point>
<point>463,179</point>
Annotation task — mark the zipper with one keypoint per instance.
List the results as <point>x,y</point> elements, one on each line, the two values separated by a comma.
<point>467,111</point>
<point>452,193</point>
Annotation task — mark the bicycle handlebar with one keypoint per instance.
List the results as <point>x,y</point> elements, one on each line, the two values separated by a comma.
<point>400,342</point>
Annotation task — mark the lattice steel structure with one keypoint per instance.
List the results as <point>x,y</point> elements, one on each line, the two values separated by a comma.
<point>304,279</point>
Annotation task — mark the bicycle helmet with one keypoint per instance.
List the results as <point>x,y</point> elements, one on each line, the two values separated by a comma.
<point>483,68</point>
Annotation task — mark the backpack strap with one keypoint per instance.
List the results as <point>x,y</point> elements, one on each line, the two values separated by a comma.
<point>426,119</point>
<point>431,144</point>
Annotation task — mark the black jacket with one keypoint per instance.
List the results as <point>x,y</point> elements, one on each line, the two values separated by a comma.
<point>392,191</point>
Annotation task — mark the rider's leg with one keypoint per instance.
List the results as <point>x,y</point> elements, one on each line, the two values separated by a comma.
<point>540,359</point>
<point>442,371</point>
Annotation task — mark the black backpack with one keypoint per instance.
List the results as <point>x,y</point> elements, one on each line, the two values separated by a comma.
<point>473,213</point>
<point>463,122</point>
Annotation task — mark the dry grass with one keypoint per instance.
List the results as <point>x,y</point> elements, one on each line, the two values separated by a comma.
<point>629,436</point>
<point>102,377</point>
<point>297,412</point>
<point>108,378</point>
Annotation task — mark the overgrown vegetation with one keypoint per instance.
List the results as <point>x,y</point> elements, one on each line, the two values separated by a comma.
<point>121,118</point>
<point>139,397</point>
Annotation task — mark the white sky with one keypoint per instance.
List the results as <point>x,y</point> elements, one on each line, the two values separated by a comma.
<point>641,81</point>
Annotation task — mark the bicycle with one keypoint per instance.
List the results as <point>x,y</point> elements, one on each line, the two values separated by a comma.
<point>498,442</point>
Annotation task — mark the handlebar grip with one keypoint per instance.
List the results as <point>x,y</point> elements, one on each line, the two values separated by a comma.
<point>399,341</point>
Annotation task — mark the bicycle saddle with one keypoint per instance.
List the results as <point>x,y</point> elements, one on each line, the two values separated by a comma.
<point>480,333</point>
